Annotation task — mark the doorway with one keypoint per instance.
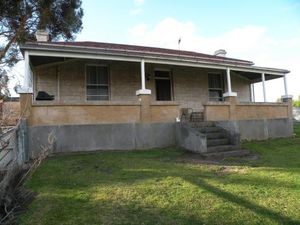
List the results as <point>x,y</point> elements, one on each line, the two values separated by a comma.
<point>163,85</point>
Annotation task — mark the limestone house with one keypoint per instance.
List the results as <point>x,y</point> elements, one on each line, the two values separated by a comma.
<point>92,96</point>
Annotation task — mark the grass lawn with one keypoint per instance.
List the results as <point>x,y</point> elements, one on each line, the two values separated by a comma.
<point>157,187</point>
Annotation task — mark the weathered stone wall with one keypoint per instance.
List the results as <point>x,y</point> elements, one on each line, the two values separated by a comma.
<point>45,79</point>
<point>72,82</point>
<point>124,81</point>
<point>110,112</point>
<point>164,112</point>
<point>84,114</point>
<point>67,81</point>
<point>241,86</point>
<point>189,85</point>
<point>245,111</point>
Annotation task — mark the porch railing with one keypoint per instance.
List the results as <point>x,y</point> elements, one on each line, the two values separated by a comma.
<point>55,113</point>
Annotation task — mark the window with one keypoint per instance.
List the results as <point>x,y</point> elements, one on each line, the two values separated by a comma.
<point>163,85</point>
<point>216,86</point>
<point>97,83</point>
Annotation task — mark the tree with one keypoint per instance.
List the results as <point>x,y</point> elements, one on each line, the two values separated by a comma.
<point>296,103</point>
<point>20,19</point>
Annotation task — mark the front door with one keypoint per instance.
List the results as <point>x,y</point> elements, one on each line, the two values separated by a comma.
<point>163,86</point>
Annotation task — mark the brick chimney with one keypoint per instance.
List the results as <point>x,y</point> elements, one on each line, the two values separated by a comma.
<point>42,35</point>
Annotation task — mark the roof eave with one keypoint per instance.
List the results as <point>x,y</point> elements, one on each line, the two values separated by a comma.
<point>222,63</point>
<point>46,45</point>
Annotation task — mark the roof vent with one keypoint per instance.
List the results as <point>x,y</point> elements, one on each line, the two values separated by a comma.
<point>42,35</point>
<point>220,52</point>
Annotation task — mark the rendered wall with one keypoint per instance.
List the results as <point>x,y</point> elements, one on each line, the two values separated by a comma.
<point>72,138</point>
<point>129,136</point>
<point>260,129</point>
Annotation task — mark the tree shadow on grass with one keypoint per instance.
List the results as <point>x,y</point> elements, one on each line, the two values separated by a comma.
<point>260,210</point>
<point>115,173</point>
<point>71,210</point>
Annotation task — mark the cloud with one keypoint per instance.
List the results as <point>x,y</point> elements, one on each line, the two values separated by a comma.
<point>136,11</point>
<point>249,42</point>
<point>139,2</point>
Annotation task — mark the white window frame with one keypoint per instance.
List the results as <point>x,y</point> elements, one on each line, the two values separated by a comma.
<point>108,82</point>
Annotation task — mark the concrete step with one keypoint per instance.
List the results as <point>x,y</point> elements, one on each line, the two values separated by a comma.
<point>202,124</point>
<point>196,117</point>
<point>212,129</point>
<point>233,153</point>
<point>217,142</point>
<point>222,148</point>
<point>215,135</point>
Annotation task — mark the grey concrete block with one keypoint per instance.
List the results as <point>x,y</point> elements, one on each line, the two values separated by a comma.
<point>72,138</point>
<point>280,128</point>
<point>232,128</point>
<point>154,135</point>
<point>259,129</point>
<point>190,139</point>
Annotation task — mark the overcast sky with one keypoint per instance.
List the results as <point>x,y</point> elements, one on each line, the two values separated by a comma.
<point>266,32</point>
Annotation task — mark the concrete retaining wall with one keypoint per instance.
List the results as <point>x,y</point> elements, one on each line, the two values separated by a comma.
<point>72,138</point>
<point>189,138</point>
<point>259,129</point>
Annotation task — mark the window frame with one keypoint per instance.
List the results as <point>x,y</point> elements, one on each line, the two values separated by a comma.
<point>108,82</point>
<point>220,99</point>
<point>170,78</point>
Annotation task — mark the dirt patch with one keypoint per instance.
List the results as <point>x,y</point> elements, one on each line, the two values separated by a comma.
<point>189,157</point>
<point>225,170</point>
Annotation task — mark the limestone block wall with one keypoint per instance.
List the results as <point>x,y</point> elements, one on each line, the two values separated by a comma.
<point>124,81</point>
<point>45,79</point>
<point>245,111</point>
<point>189,85</point>
<point>59,114</point>
<point>67,81</point>
<point>71,82</point>
<point>242,86</point>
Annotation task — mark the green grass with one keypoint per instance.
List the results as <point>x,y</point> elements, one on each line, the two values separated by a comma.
<point>156,187</point>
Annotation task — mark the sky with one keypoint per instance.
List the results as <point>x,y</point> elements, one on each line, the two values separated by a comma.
<point>266,32</point>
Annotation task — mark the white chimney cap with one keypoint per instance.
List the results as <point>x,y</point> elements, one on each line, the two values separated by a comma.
<point>220,52</point>
<point>42,35</point>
